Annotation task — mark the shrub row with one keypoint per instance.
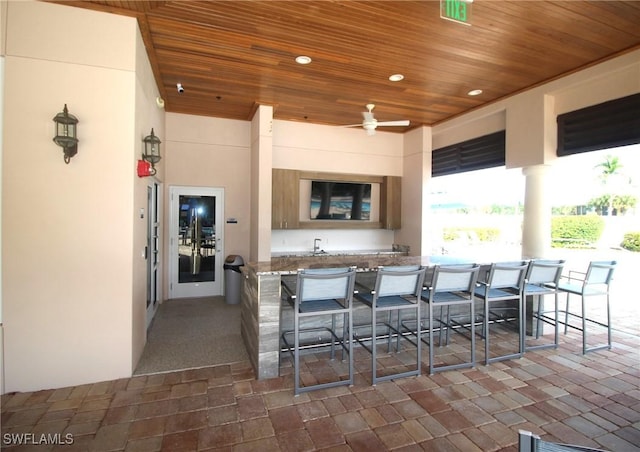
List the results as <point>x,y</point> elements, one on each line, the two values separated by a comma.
<point>576,231</point>
<point>572,231</point>
<point>631,241</point>
<point>482,234</point>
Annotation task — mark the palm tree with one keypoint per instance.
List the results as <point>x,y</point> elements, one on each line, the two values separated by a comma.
<point>611,166</point>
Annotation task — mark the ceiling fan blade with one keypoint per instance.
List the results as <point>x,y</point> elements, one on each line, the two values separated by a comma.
<point>352,125</point>
<point>404,122</point>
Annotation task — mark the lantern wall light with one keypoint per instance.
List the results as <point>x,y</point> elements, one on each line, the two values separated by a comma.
<point>151,151</point>
<point>66,133</point>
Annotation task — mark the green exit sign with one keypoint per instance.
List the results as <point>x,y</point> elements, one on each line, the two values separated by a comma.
<point>456,10</point>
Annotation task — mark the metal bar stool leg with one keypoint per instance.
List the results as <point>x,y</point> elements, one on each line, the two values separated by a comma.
<point>431,360</point>
<point>473,333</point>
<point>374,348</point>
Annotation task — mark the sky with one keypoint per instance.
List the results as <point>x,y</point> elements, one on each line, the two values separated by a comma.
<point>577,179</point>
<point>573,180</point>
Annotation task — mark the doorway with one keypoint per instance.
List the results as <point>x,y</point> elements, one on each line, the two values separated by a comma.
<point>196,245</point>
<point>152,251</point>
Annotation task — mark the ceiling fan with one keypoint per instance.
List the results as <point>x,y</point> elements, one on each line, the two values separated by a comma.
<point>369,123</point>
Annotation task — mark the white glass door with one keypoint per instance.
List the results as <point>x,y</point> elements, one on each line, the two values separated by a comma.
<point>153,249</point>
<point>197,229</point>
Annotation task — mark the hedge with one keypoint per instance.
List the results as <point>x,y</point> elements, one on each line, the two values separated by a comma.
<point>631,241</point>
<point>576,231</point>
<point>483,234</point>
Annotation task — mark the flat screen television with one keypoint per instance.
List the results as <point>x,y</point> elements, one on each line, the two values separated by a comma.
<point>340,201</point>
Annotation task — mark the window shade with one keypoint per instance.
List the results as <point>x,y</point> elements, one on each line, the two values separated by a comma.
<point>483,152</point>
<point>606,125</point>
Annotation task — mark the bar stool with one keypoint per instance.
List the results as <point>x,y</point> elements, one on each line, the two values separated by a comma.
<point>397,289</point>
<point>505,282</point>
<point>451,286</point>
<point>541,279</point>
<point>528,442</point>
<point>595,282</point>
<point>320,293</point>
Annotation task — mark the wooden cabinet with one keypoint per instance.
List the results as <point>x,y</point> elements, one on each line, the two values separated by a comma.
<point>285,199</point>
<point>391,202</point>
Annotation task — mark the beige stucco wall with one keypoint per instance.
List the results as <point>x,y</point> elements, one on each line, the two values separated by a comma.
<point>261,158</point>
<point>68,230</point>
<point>209,152</point>
<point>609,80</point>
<point>311,147</point>
<point>3,26</point>
<point>415,200</point>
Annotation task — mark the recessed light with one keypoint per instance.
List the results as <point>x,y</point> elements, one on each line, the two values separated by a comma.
<point>474,92</point>
<point>396,77</point>
<point>302,59</point>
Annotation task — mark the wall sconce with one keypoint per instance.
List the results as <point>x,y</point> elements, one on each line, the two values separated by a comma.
<point>150,155</point>
<point>66,133</point>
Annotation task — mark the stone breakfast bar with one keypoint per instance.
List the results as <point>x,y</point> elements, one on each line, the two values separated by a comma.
<point>262,296</point>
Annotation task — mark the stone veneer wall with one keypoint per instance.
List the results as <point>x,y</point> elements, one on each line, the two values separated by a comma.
<point>260,322</point>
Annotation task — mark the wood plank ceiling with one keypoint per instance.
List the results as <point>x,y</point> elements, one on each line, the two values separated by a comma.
<point>231,56</point>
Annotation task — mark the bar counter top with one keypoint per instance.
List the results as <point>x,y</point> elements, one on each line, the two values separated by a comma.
<point>288,265</point>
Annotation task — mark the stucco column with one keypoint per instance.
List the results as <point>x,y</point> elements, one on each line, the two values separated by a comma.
<point>417,228</point>
<point>261,164</point>
<point>536,228</point>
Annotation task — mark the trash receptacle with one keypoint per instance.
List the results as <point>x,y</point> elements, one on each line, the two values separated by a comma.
<point>232,278</point>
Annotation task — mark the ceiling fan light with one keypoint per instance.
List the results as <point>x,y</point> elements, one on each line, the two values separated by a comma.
<point>303,59</point>
<point>396,77</point>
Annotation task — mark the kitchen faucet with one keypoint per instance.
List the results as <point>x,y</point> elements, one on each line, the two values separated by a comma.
<point>316,246</point>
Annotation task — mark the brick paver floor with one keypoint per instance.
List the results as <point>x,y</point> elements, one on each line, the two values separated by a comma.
<point>592,400</point>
